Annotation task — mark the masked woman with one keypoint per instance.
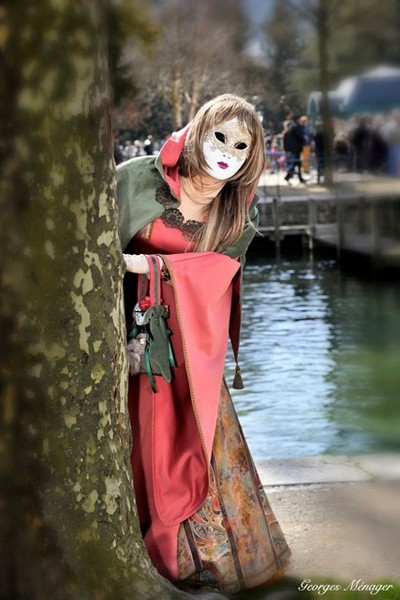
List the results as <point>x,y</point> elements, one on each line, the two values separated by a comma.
<point>204,515</point>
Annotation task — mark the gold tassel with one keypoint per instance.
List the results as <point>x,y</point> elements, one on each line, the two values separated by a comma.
<point>237,380</point>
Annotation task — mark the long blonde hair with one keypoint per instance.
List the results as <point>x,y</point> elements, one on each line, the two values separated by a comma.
<point>228,211</point>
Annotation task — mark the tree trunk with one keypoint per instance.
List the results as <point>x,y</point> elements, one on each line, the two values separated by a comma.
<point>176,99</point>
<point>200,29</point>
<point>68,524</point>
<point>323,40</point>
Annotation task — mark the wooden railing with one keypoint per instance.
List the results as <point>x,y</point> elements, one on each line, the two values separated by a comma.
<point>367,225</point>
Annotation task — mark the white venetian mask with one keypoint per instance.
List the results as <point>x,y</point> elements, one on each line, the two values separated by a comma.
<point>226,147</point>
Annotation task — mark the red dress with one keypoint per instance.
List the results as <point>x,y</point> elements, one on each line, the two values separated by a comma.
<point>204,515</point>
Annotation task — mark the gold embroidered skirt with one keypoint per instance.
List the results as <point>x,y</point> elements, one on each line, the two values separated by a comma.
<point>233,542</point>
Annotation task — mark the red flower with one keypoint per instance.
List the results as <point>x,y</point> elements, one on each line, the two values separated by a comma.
<point>144,304</point>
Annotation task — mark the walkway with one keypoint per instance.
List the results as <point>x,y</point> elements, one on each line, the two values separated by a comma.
<point>340,515</point>
<point>344,183</point>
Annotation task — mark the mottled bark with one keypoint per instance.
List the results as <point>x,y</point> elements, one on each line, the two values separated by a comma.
<point>68,523</point>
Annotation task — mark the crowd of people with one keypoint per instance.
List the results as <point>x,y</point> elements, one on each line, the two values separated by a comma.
<point>363,144</point>
<point>128,149</point>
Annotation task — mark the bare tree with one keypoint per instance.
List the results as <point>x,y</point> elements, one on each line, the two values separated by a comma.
<point>283,45</point>
<point>198,55</point>
<point>195,57</point>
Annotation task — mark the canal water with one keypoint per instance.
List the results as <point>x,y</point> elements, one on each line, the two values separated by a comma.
<point>320,358</point>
